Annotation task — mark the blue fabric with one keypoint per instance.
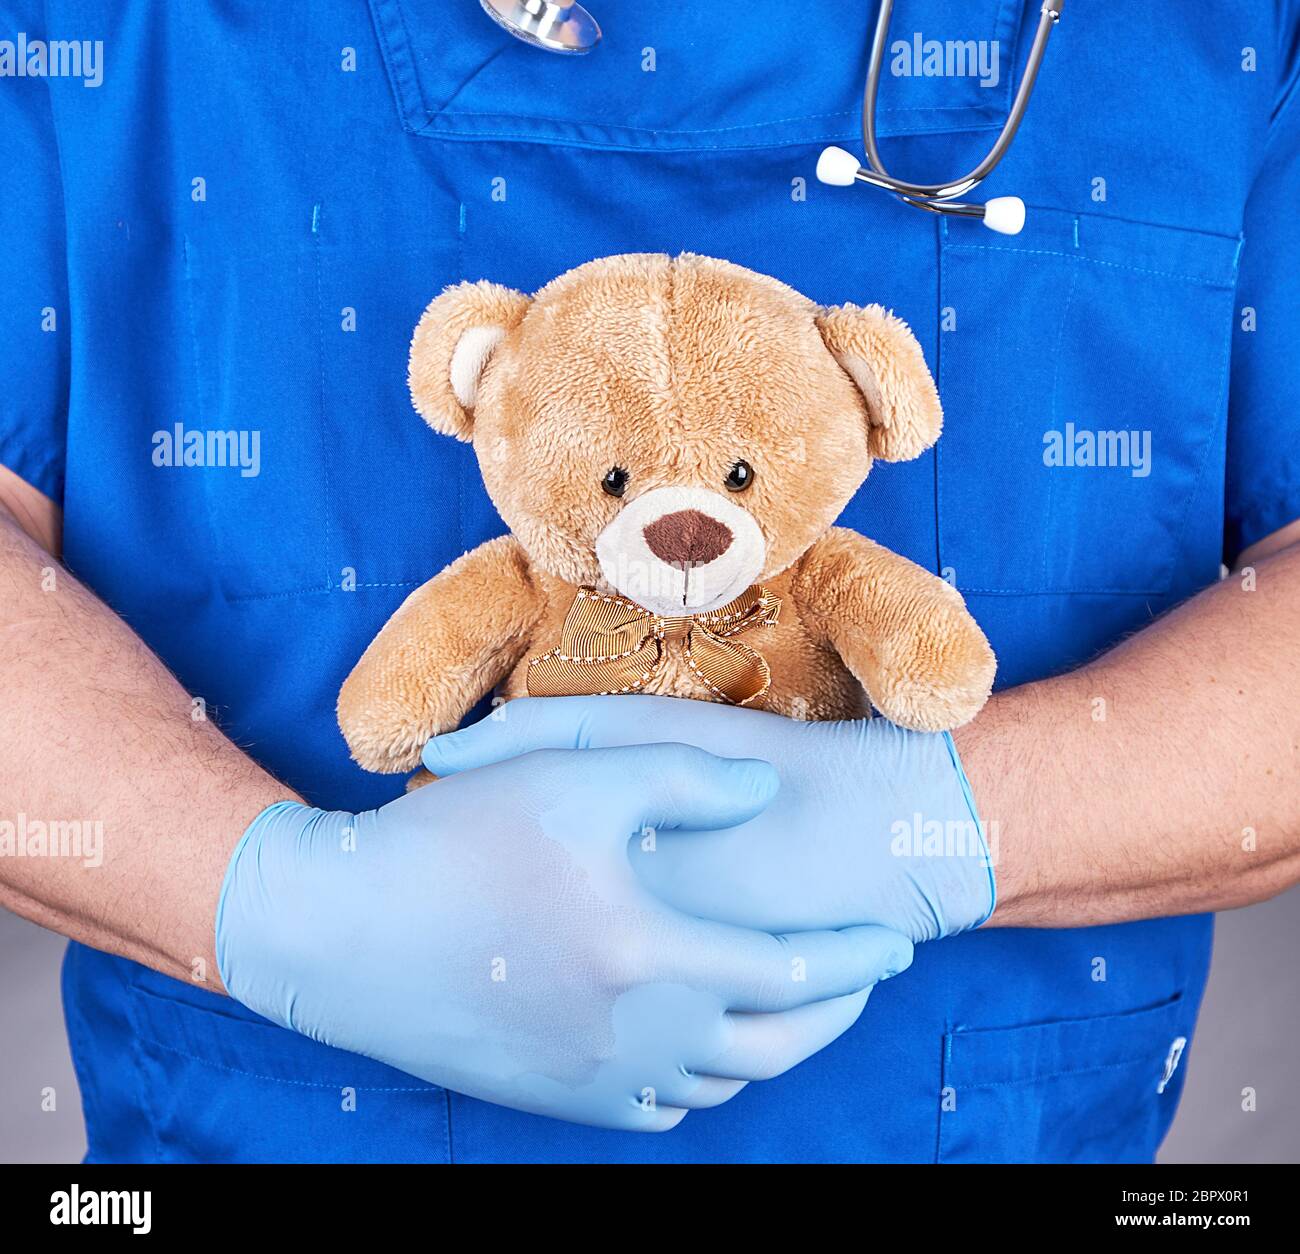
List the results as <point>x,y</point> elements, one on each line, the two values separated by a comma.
<point>452,152</point>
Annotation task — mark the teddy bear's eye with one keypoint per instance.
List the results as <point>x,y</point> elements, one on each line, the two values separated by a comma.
<point>739,477</point>
<point>615,481</point>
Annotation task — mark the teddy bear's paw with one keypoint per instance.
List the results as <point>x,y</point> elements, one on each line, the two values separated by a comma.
<point>387,716</point>
<point>941,680</point>
<point>928,708</point>
<point>382,742</point>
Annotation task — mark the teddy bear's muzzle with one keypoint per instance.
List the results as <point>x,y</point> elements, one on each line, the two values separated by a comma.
<point>681,550</point>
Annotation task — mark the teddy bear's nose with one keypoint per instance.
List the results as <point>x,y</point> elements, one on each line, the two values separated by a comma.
<point>687,538</point>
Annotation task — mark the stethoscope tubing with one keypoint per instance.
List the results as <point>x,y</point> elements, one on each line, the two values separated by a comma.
<point>557,26</point>
<point>920,193</point>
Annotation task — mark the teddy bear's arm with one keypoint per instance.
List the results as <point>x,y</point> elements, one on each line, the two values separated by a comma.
<point>903,632</point>
<point>450,642</point>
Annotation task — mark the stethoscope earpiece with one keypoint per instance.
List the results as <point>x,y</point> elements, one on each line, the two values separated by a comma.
<point>838,167</point>
<point>555,27</point>
<point>1003,214</point>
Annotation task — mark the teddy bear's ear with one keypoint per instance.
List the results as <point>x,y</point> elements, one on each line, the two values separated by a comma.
<point>880,354</point>
<point>451,347</point>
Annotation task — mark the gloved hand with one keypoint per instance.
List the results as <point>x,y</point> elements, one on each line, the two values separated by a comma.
<point>873,824</point>
<point>488,933</point>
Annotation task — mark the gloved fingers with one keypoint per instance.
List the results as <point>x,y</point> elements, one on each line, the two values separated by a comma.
<point>686,787</point>
<point>670,785</point>
<point>688,1090</point>
<point>530,723</point>
<point>761,972</point>
<point>636,1113</point>
<point>769,875</point>
<point>766,1045</point>
<point>668,1118</point>
<point>710,1091</point>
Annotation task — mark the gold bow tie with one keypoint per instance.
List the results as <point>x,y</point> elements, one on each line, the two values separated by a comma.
<point>610,645</point>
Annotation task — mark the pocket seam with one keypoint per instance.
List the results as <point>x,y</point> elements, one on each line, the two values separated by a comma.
<point>408,91</point>
<point>145,1034</point>
<point>1056,386</point>
<point>1219,285</point>
<point>327,554</point>
<point>200,401</point>
<point>1122,1065</point>
<point>434,1089</point>
<point>145,1090</point>
<point>1155,1015</point>
<point>317,590</point>
<point>1221,411</point>
<point>549,135</point>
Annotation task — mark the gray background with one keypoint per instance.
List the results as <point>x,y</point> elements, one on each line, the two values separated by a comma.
<point>1246,1038</point>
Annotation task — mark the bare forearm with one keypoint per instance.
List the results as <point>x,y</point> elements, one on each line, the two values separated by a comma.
<point>118,807</point>
<point>1160,779</point>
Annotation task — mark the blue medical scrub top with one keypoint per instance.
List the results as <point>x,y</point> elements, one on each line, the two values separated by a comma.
<point>237,230</point>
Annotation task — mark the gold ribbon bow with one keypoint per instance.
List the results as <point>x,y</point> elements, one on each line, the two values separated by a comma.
<point>610,645</point>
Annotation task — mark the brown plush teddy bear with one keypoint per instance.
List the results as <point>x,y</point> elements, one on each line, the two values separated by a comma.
<point>669,440</point>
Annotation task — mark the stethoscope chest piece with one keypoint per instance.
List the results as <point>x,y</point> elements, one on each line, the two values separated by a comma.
<point>545,24</point>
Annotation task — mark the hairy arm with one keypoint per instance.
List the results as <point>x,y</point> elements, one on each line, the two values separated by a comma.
<point>1161,778</point>
<point>95,731</point>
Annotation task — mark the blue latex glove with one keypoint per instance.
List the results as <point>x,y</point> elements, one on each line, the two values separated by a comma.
<point>488,933</point>
<point>873,824</point>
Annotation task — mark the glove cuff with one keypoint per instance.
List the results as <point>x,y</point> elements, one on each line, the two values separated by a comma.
<point>246,892</point>
<point>987,858</point>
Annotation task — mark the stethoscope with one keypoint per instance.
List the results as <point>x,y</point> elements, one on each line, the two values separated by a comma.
<point>559,27</point>
<point>544,24</point>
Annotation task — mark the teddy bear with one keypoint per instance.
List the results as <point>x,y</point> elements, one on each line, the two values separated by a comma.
<point>669,440</point>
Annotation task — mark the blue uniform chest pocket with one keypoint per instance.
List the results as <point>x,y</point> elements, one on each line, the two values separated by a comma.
<point>1083,367</point>
<point>1081,1090</point>
<point>299,350</point>
<point>220,1084</point>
